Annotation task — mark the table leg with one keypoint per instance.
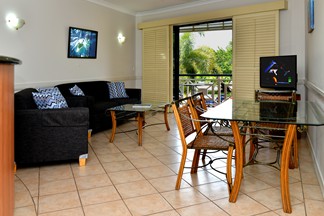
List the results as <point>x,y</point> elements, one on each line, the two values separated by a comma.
<point>235,186</point>
<point>166,110</point>
<point>140,122</point>
<point>114,125</point>
<point>284,177</point>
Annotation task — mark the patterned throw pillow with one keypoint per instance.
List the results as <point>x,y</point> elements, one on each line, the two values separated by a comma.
<point>76,91</point>
<point>117,90</point>
<point>49,98</point>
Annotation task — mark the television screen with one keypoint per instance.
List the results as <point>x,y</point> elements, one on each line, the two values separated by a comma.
<point>82,43</point>
<point>278,72</point>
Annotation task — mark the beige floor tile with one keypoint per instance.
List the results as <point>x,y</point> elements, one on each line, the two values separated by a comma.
<point>25,211</point>
<point>115,157</point>
<point>184,197</point>
<point>58,202</point>
<point>251,184</point>
<point>268,214</point>
<point>166,213</point>
<point>88,170</point>
<point>115,208</point>
<point>55,187</point>
<point>105,148</point>
<point>169,159</point>
<point>160,151</point>
<point>132,177</point>
<point>244,206</point>
<point>214,191</point>
<point>138,155</point>
<point>314,207</point>
<point>98,195</point>
<point>55,172</point>
<point>134,189</point>
<point>206,209</point>
<point>312,192</point>
<point>23,199</point>
<point>148,204</point>
<point>309,178</point>
<point>68,212</point>
<point>118,166</point>
<point>146,162</point>
<point>168,183</point>
<point>271,198</point>
<point>199,178</point>
<point>94,181</point>
<point>297,210</point>
<point>125,176</point>
<point>156,172</point>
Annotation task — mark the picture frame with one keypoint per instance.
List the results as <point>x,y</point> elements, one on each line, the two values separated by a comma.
<point>311,25</point>
<point>82,43</point>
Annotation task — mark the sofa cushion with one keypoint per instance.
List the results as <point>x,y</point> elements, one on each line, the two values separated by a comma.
<point>117,90</point>
<point>48,101</point>
<point>56,96</point>
<point>76,91</point>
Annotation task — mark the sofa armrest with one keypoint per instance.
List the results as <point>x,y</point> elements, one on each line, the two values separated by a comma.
<point>50,135</point>
<point>134,93</point>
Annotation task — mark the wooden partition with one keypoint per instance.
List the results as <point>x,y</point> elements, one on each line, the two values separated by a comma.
<point>7,135</point>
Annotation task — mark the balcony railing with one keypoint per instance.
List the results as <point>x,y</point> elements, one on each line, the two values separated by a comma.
<point>213,86</point>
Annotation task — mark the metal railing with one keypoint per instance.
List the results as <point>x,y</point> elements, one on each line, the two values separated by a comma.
<point>213,86</point>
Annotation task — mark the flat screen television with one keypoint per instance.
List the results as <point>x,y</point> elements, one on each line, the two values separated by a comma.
<point>278,72</point>
<point>82,43</point>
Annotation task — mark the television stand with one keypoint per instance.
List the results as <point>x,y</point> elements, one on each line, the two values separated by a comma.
<point>279,95</point>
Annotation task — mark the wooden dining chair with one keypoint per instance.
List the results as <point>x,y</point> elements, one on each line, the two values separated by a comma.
<point>274,132</point>
<point>193,138</point>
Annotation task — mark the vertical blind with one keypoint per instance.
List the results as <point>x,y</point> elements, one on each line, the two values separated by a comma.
<point>156,81</point>
<point>254,35</point>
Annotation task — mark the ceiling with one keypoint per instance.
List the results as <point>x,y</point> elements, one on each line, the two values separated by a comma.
<point>141,6</point>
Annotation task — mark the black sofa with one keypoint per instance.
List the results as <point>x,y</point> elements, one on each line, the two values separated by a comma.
<point>48,135</point>
<point>97,100</point>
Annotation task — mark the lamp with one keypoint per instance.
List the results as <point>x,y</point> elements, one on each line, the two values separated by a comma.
<point>121,38</point>
<point>14,22</point>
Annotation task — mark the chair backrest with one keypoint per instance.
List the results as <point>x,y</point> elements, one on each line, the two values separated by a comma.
<point>182,114</point>
<point>198,106</point>
<point>275,96</point>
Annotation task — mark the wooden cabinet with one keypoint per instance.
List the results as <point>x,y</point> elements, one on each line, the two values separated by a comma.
<point>7,135</point>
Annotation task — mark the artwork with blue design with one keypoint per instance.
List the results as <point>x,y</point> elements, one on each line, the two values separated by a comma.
<point>82,43</point>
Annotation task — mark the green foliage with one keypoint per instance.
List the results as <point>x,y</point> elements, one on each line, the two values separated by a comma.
<point>203,60</point>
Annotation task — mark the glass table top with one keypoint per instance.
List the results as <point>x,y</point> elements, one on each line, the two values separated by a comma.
<point>138,107</point>
<point>299,113</point>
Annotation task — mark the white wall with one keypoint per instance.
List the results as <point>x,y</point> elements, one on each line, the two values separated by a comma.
<point>42,43</point>
<point>315,85</point>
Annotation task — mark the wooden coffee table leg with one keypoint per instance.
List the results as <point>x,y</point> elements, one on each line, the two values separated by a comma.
<point>114,125</point>
<point>166,110</point>
<point>140,122</point>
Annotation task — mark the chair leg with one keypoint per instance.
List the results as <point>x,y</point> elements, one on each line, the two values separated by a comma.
<point>195,161</point>
<point>180,172</point>
<point>204,155</point>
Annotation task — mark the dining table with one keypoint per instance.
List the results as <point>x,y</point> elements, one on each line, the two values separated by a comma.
<point>289,115</point>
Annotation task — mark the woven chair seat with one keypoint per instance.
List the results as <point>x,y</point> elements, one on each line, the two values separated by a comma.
<point>211,143</point>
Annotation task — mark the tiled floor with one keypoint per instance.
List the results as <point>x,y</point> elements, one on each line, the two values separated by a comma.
<point>122,178</point>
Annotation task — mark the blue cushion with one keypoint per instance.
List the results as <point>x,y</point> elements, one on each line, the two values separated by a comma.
<point>75,90</point>
<point>117,90</point>
<point>49,98</point>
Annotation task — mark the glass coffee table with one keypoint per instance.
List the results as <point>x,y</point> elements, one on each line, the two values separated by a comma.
<point>139,111</point>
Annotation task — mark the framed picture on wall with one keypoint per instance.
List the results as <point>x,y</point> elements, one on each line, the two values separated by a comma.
<point>82,43</point>
<point>310,16</point>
